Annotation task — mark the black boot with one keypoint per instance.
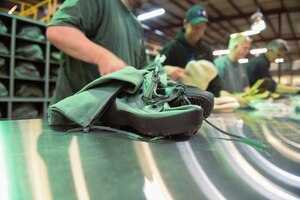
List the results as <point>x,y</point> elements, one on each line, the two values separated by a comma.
<point>195,96</point>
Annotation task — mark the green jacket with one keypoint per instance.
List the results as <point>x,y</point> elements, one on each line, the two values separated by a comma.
<point>83,107</point>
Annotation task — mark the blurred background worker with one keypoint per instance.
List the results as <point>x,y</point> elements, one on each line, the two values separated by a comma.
<point>188,46</point>
<point>258,67</point>
<point>232,73</point>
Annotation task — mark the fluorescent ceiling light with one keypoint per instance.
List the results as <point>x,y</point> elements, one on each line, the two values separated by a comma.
<point>158,32</point>
<point>258,51</point>
<point>227,51</point>
<point>221,52</point>
<point>243,60</point>
<point>279,60</point>
<point>258,24</point>
<point>144,26</point>
<point>245,33</point>
<point>151,14</point>
<point>12,9</point>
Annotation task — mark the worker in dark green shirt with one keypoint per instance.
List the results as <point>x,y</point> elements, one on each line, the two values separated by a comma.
<point>258,67</point>
<point>96,37</point>
<point>188,45</point>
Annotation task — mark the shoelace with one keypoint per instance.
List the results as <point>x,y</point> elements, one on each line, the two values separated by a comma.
<point>178,92</point>
<point>114,130</point>
<point>151,97</point>
<point>255,143</point>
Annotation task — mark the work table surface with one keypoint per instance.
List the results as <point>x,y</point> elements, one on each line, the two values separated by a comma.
<point>39,162</point>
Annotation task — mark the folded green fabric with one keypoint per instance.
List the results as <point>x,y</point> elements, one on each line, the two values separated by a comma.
<point>3,28</point>
<point>128,98</point>
<point>33,51</point>
<point>29,90</point>
<point>3,68</point>
<point>3,90</point>
<point>83,107</point>
<point>2,62</point>
<point>26,70</point>
<point>55,56</point>
<point>25,111</point>
<point>32,32</point>
<point>3,49</point>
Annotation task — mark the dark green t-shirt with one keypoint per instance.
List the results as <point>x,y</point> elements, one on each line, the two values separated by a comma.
<point>106,22</point>
<point>179,52</point>
<point>258,68</point>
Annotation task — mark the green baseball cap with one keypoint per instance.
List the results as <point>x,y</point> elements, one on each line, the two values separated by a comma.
<point>196,14</point>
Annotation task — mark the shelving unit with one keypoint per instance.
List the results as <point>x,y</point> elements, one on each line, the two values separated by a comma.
<point>46,82</point>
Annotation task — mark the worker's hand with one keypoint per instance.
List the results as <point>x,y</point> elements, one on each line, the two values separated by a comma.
<point>176,74</point>
<point>110,63</point>
<point>241,100</point>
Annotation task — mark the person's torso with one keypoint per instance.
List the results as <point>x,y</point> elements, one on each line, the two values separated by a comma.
<point>107,23</point>
<point>232,74</point>
<point>179,52</point>
<point>188,53</point>
<point>256,67</point>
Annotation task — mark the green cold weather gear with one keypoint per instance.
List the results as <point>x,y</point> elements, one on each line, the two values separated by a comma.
<point>105,22</point>
<point>127,98</point>
<point>90,101</point>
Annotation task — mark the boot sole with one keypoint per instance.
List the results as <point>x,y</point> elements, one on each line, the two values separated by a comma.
<point>203,101</point>
<point>154,124</point>
<point>200,98</point>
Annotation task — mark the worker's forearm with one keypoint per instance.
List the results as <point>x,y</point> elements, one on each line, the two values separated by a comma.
<point>81,47</point>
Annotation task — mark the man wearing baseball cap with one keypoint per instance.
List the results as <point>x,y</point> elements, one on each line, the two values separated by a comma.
<point>188,46</point>
<point>259,67</point>
<point>196,14</point>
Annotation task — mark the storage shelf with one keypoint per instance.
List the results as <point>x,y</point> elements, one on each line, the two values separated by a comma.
<point>5,34</point>
<point>31,40</point>
<point>54,63</point>
<point>31,79</point>
<point>4,77</point>
<point>53,80</point>
<point>20,99</point>
<point>46,83</point>
<point>29,59</point>
<point>4,55</point>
